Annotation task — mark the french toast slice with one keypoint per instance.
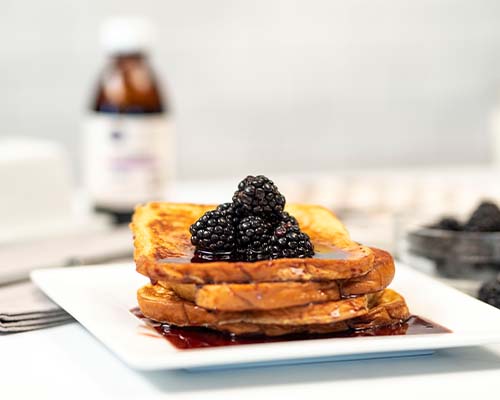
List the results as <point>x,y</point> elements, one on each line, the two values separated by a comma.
<point>385,308</point>
<point>390,306</point>
<point>378,278</point>
<point>256,296</point>
<point>390,309</point>
<point>273,295</point>
<point>162,304</point>
<point>163,251</point>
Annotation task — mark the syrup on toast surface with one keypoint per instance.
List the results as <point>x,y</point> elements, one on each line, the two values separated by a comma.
<point>273,295</point>
<point>163,251</point>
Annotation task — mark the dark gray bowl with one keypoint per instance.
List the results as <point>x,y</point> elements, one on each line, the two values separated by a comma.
<point>464,255</point>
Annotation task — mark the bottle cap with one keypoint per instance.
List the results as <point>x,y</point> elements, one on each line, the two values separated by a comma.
<point>122,35</point>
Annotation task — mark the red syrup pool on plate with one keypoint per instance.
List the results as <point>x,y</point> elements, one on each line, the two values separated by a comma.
<point>196,338</point>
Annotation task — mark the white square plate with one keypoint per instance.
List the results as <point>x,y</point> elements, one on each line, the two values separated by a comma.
<point>100,298</point>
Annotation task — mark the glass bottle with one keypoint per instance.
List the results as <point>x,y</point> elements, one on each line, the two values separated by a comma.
<point>127,144</point>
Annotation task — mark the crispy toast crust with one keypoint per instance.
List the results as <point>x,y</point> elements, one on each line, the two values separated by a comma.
<point>162,304</point>
<point>163,252</point>
<point>273,295</point>
<point>256,296</point>
<point>378,278</point>
<point>387,308</point>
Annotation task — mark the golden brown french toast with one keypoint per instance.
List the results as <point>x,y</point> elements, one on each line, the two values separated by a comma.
<point>273,295</point>
<point>378,278</point>
<point>256,296</point>
<point>385,308</point>
<point>162,304</point>
<point>391,306</point>
<point>389,309</point>
<point>163,250</point>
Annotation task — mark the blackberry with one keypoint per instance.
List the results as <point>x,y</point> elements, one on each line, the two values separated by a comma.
<point>213,233</point>
<point>286,218</point>
<point>229,211</point>
<point>258,195</point>
<point>253,236</point>
<point>486,218</point>
<point>288,241</point>
<point>448,224</point>
<point>490,292</point>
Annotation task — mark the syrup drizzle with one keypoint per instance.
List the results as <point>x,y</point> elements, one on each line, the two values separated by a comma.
<point>196,338</point>
<point>321,251</point>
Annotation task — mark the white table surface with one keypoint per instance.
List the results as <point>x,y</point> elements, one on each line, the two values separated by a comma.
<point>67,361</point>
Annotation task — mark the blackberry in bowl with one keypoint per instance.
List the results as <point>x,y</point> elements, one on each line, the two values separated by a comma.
<point>486,218</point>
<point>462,250</point>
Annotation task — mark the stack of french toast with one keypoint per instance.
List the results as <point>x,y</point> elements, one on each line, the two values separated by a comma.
<point>340,286</point>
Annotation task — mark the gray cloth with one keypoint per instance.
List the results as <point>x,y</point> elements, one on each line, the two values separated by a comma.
<point>17,260</point>
<point>23,307</point>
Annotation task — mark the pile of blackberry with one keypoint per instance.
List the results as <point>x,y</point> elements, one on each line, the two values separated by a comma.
<point>252,227</point>
<point>485,218</point>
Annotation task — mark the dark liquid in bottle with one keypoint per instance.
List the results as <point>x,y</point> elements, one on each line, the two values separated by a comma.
<point>127,88</point>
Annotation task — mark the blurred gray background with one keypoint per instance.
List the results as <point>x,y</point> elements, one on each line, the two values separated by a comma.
<point>273,85</point>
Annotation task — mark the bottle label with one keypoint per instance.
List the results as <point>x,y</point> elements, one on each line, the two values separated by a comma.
<point>127,159</point>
